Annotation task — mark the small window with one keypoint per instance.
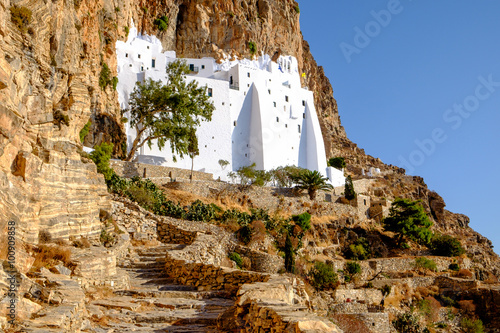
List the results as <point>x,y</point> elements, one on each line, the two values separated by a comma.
<point>223,103</point>
<point>248,74</point>
<point>274,104</point>
<point>304,115</point>
<point>139,56</point>
<point>286,125</point>
<point>277,119</point>
<point>213,137</point>
<point>365,201</point>
<point>148,47</point>
<point>210,92</point>
<point>269,90</point>
<point>299,128</point>
<point>244,93</point>
<point>153,63</point>
<point>246,155</point>
<point>202,66</point>
<point>130,65</point>
<point>205,146</point>
<point>142,68</point>
<point>126,55</point>
<point>303,103</point>
<point>286,98</point>
<point>248,85</point>
<point>235,123</point>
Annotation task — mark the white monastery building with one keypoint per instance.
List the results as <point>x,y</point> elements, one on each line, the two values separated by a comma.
<point>262,114</point>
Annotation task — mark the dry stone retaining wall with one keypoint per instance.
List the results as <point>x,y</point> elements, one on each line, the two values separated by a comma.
<point>131,169</point>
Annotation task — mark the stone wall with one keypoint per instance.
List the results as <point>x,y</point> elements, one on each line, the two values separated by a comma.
<point>261,261</point>
<point>131,169</point>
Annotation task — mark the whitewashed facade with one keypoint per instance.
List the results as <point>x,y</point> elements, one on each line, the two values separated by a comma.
<point>262,114</point>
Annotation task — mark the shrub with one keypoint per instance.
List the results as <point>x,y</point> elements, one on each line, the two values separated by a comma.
<point>445,245</point>
<point>386,290</point>
<point>140,195</point>
<point>323,276</point>
<point>85,130</point>
<point>359,250</point>
<point>472,326</point>
<point>289,255</point>
<point>252,47</point>
<point>353,268</point>
<point>231,14</point>
<point>303,221</point>
<point>349,192</point>
<point>198,211</point>
<point>49,255</point>
<point>101,156</point>
<point>107,239</point>
<point>337,162</point>
<point>223,163</point>
<point>407,323</point>
<point>114,82</point>
<point>104,76</point>
<point>424,263</point>
<point>21,16</point>
<point>297,9</point>
<point>237,259</point>
<point>245,234</point>
<point>127,30</point>
<point>161,23</point>
<point>454,267</point>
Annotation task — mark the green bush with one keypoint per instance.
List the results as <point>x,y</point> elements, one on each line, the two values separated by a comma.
<point>424,263</point>
<point>289,255</point>
<point>454,267</point>
<point>127,30</point>
<point>297,9</point>
<point>323,276</point>
<point>386,290</point>
<point>234,256</point>
<point>21,16</point>
<point>303,221</point>
<point>85,130</point>
<point>198,211</point>
<point>472,326</point>
<point>245,234</point>
<point>114,82</point>
<point>445,245</point>
<point>101,156</point>
<point>337,162</point>
<point>359,250</point>
<point>349,192</point>
<point>353,268</point>
<point>104,76</point>
<point>252,47</point>
<point>161,23</point>
<point>407,323</point>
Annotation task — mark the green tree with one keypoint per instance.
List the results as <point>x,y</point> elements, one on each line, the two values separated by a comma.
<point>337,162</point>
<point>101,156</point>
<point>323,276</point>
<point>349,192</point>
<point>408,219</point>
<point>445,245</point>
<point>312,181</point>
<point>168,112</point>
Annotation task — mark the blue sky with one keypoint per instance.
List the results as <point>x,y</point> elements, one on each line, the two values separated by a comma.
<point>418,85</point>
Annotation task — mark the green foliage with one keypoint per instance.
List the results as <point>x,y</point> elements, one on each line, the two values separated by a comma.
<point>223,164</point>
<point>312,181</point>
<point>454,267</point>
<point>21,17</point>
<point>114,82</point>
<point>297,9</point>
<point>234,256</point>
<point>104,76</point>
<point>169,112</point>
<point>198,211</point>
<point>424,306</point>
<point>303,221</point>
<point>161,23</point>
<point>323,276</point>
<point>386,290</point>
<point>107,239</point>
<point>405,246</point>
<point>127,30</point>
<point>349,192</point>
<point>289,255</point>
<point>359,250</point>
<point>249,175</point>
<point>408,219</point>
<point>337,162</point>
<point>424,263</point>
<point>472,326</point>
<point>85,130</point>
<point>444,245</point>
<point>407,323</point>
<point>231,14</point>
<point>252,47</point>
<point>353,268</point>
<point>101,156</point>
<point>284,176</point>
<point>60,118</point>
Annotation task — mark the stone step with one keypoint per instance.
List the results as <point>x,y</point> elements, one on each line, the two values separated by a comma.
<point>161,327</point>
<point>189,294</point>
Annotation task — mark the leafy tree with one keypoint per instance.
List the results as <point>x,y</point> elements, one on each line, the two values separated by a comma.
<point>283,176</point>
<point>101,156</point>
<point>249,175</point>
<point>337,162</point>
<point>407,323</point>
<point>349,192</point>
<point>445,245</point>
<point>85,130</point>
<point>408,219</point>
<point>323,276</point>
<point>168,112</point>
<point>312,181</point>
<point>289,255</point>
<point>303,221</point>
<point>223,164</point>
<point>161,23</point>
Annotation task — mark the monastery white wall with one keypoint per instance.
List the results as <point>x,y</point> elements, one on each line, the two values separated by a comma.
<point>262,115</point>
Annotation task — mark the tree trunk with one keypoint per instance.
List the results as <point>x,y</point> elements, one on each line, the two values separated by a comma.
<point>192,166</point>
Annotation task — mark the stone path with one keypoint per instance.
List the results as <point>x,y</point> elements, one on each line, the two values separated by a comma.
<point>155,304</point>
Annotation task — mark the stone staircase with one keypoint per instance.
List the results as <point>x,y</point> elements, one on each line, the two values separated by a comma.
<point>155,303</point>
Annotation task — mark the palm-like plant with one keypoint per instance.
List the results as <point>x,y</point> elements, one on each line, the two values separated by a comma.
<point>312,181</point>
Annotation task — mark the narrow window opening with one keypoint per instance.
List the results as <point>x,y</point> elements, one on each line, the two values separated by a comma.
<point>286,125</point>
<point>274,104</point>
<point>303,103</point>
<point>269,90</point>
<point>153,63</point>
<point>286,98</point>
<point>299,128</point>
<point>202,66</point>
<point>142,68</point>
<point>126,55</point>
<point>139,56</point>
<point>210,92</point>
<point>234,123</point>
<point>148,47</point>
<point>304,115</point>
<point>248,74</point>
<point>277,119</point>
